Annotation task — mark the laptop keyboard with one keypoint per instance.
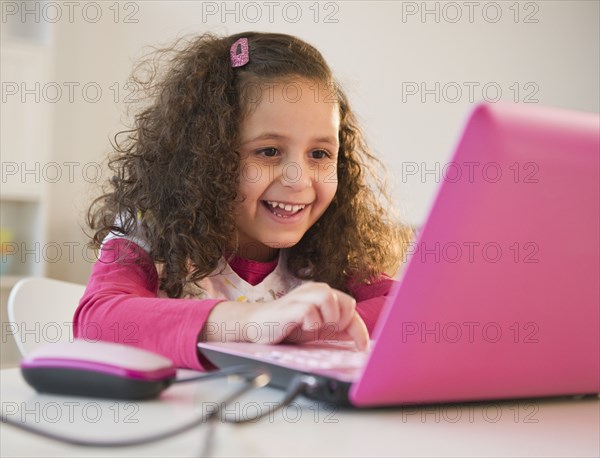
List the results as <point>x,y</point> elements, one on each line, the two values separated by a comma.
<point>316,359</point>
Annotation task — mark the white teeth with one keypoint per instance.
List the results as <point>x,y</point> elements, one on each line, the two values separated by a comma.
<point>286,207</point>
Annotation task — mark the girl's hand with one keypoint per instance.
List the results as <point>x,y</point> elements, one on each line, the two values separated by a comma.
<point>312,311</point>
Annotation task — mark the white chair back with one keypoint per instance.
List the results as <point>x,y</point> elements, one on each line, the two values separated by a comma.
<point>40,310</point>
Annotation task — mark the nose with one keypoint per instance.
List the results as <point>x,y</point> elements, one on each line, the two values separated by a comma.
<point>296,174</point>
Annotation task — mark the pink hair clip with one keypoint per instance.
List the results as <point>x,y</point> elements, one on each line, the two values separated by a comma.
<point>241,58</point>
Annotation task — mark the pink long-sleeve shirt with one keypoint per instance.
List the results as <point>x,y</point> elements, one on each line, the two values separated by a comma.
<point>120,304</point>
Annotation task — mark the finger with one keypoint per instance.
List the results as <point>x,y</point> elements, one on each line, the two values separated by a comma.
<point>323,297</point>
<point>330,308</point>
<point>347,307</point>
<point>311,323</point>
<point>357,330</point>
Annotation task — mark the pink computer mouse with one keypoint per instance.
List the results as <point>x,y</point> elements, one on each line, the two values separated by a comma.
<point>97,369</point>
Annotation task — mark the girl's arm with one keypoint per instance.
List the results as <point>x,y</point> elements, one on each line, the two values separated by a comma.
<point>120,304</point>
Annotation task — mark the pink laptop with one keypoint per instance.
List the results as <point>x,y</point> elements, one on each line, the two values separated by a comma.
<point>501,295</point>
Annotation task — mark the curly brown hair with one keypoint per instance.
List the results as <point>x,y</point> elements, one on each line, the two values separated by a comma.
<point>174,174</point>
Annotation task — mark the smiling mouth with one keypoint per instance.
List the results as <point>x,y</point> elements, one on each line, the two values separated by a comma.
<point>283,210</point>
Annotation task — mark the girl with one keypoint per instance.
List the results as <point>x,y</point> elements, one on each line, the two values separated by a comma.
<point>242,208</point>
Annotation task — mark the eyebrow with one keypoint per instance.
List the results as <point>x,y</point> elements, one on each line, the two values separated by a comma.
<point>275,136</point>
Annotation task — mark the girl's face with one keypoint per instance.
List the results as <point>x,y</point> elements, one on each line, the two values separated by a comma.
<point>288,147</point>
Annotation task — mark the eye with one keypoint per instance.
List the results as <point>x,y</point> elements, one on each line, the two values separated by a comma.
<point>320,154</point>
<point>268,152</point>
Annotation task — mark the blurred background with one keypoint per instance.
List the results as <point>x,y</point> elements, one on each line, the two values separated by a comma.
<point>413,71</point>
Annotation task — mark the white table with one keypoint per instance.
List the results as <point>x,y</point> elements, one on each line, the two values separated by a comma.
<point>555,427</point>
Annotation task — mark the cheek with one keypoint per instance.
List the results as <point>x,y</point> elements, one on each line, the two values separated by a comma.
<point>248,193</point>
<point>252,181</point>
<point>328,188</point>
<point>251,175</point>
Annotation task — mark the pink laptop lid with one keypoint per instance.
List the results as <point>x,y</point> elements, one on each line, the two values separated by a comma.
<point>501,295</point>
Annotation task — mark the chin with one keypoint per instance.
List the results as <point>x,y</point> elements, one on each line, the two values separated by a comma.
<point>283,243</point>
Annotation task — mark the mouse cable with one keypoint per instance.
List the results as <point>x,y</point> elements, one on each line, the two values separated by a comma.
<point>299,384</point>
<point>254,378</point>
<point>233,371</point>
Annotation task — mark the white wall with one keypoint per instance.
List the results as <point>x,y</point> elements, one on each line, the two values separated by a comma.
<point>376,53</point>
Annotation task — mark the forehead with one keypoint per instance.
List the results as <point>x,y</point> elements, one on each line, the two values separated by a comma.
<point>293,106</point>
